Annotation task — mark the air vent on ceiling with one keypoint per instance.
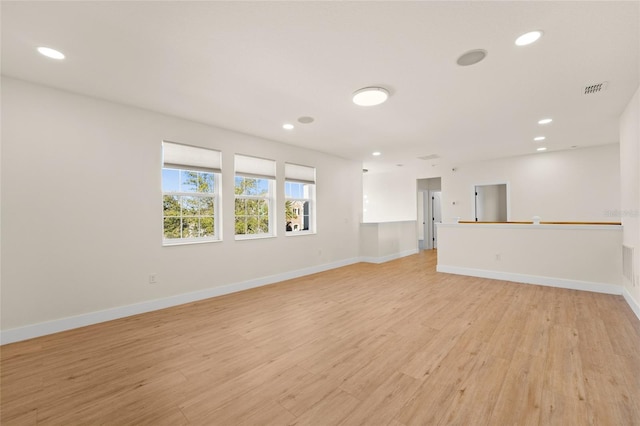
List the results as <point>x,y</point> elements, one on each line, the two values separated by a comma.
<point>595,88</point>
<point>430,157</point>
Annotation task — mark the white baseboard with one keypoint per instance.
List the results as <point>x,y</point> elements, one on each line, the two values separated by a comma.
<point>383,259</point>
<point>635,306</point>
<point>63,324</point>
<point>533,279</point>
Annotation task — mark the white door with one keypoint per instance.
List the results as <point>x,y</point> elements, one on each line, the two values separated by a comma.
<point>422,215</point>
<point>436,216</point>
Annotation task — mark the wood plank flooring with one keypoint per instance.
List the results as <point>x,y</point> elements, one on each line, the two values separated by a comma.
<point>392,344</point>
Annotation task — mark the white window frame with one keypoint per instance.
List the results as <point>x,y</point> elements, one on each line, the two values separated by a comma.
<point>248,167</point>
<point>306,175</point>
<point>186,158</point>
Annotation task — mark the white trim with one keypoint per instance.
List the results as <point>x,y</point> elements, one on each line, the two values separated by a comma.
<point>635,306</point>
<point>69,323</point>
<point>532,226</point>
<point>533,279</point>
<point>63,324</point>
<point>383,259</point>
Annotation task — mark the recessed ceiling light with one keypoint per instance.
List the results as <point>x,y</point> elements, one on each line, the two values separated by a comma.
<point>305,120</point>
<point>545,121</point>
<point>528,38</point>
<point>50,53</point>
<point>287,126</point>
<point>370,96</point>
<point>542,148</point>
<point>471,57</point>
<point>375,154</point>
<point>539,138</point>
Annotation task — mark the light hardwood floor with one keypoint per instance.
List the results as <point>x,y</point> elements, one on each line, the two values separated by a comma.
<point>391,344</point>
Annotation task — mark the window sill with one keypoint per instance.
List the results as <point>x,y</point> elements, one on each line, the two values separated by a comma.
<point>244,237</point>
<point>165,243</point>
<point>299,233</point>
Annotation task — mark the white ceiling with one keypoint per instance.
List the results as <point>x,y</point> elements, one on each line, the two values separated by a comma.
<point>252,66</point>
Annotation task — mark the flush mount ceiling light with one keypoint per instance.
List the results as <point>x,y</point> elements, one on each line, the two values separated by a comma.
<point>539,138</point>
<point>545,121</point>
<point>376,154</point>
<point>287,126</point>
<point>542,148</point>
<point>528,38</point>
<point>370,96</point>
<point>471,57</point>
<point>50,53</point>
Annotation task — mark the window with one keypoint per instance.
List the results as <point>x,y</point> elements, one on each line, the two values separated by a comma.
<point>190,188</point>
<point>299,192</point>
<point>254,195</point>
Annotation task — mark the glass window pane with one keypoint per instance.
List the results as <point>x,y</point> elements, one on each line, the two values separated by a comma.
<point>241,206</point>
<point>206,227</point>
<point>263,224</point>
<point>171,205</point>
<point>206,206</point>
<point>170,180</point>
<point>172,227</point>
<point>262,186</point>
<point>252,225</point>
<point>188,181</point>
<point>241,225</point>
<point>239,185</point>
<point>190,227</point>
<point>206,182</point>
<point>252,206</point>
<point>263,207</point>
<point>190,206</point>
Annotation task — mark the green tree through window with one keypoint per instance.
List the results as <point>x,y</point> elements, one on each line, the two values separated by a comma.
<point>188,204</point>
<point>252,206</point>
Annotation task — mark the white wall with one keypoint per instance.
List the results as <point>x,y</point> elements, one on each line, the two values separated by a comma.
<point>580,257</point>
<point>380,242</point>
<point>389,196</point>
<point>571,185</point>
<point>630,188</point>
<point>574,185</point>
<point>81,208</point>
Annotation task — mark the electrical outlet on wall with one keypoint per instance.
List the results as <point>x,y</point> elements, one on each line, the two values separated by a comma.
<point>153,278</point>
<point>498,257</point>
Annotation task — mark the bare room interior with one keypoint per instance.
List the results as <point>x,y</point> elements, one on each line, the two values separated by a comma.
<point>320,213</point>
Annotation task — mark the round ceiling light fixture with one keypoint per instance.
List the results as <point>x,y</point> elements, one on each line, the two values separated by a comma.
<point>542,148</point>
<point>471,57</point>
<point>50,53</point>
<point>528,38</point>
<point>287,126</point>
<point>370,96</point>
<point>376,153</point>
<point>539,138</point>
<point>545,121</point>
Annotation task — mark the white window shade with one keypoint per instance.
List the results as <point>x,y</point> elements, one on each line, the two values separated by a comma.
<point>297,173</point>
<point>178,156</point>
<point>255,167</point>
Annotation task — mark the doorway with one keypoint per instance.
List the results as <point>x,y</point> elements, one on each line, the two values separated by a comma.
<point>491,203</point>
<point>429,212</point>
